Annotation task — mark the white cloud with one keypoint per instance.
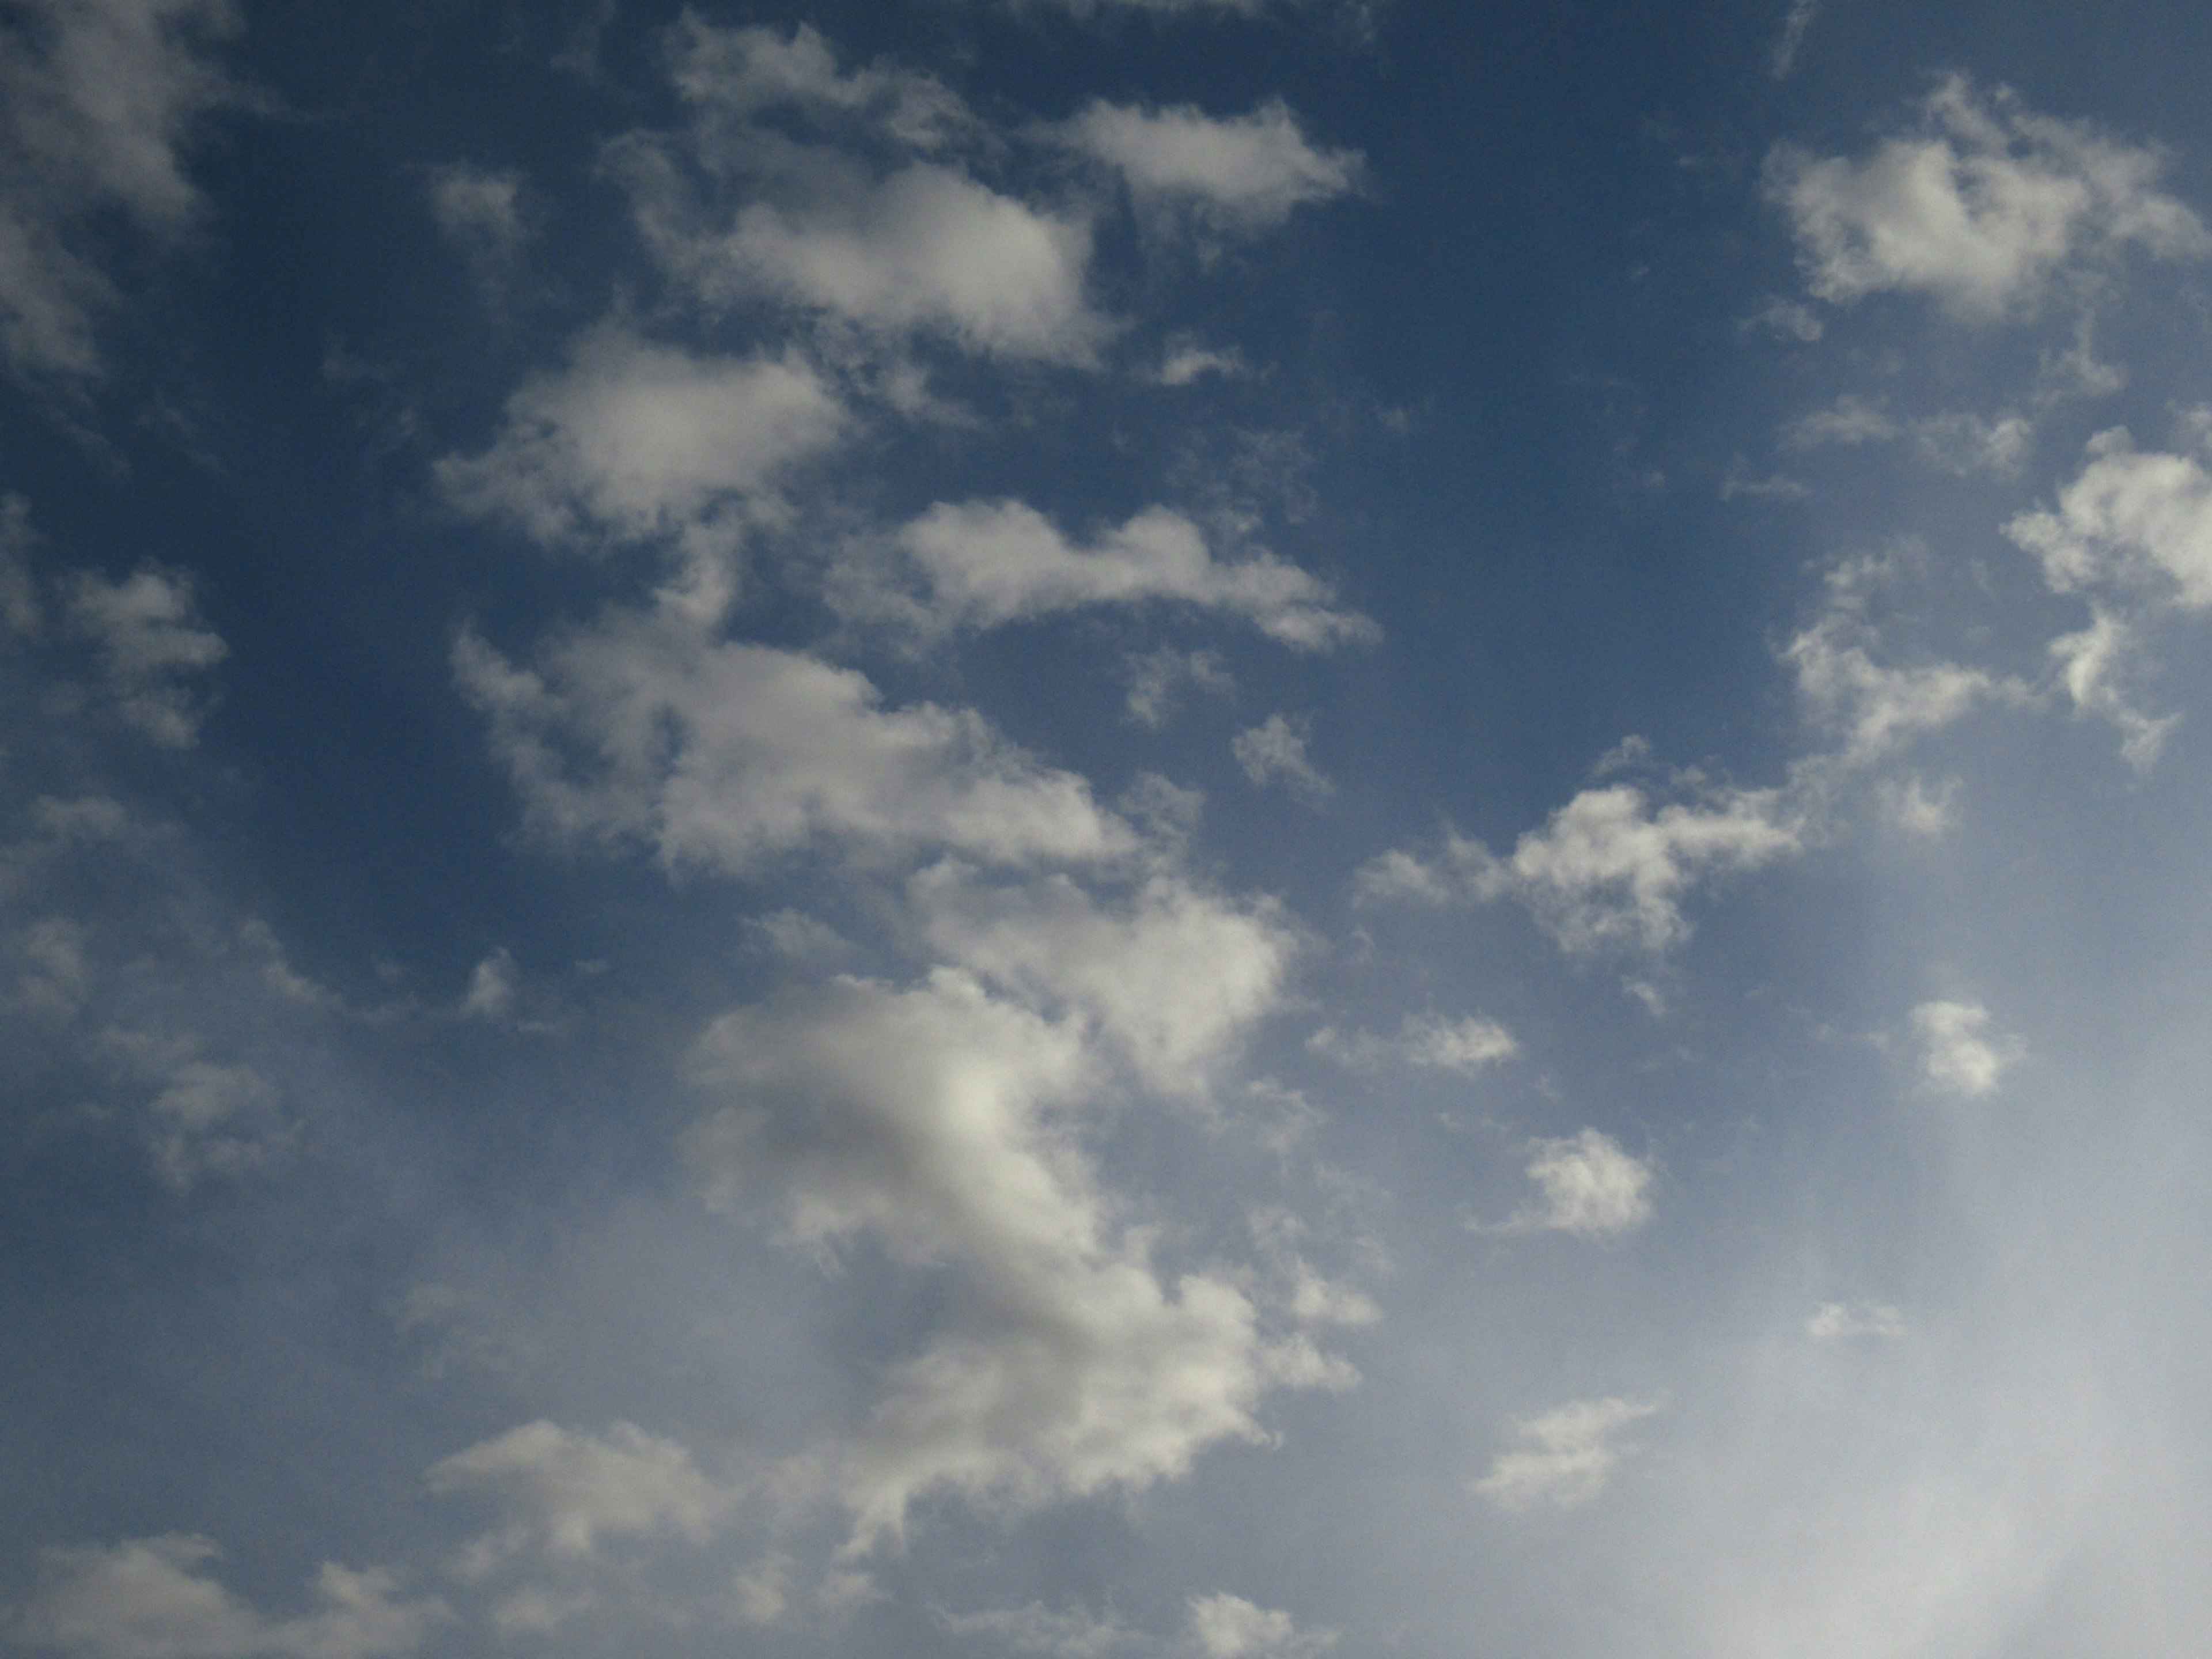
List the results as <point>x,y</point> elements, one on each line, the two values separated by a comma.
<point>940,1124</point>
<point>1589,1186</point>
<point>149,634</point>
<point>98,99</point>
<point>1956,441</point>
<point>983,564</point>
<point>1565,1457</point>
<point>2090,663</point>
<point>1036,1628</point>
<point>479,209</point>
<point>1958,1053</point>
<point>2131,520</point>
<point>1876,707</point>
<point>1224,1627</point>
<point>566,1492</point>
<point>151,1598</point>
<point>731,75</point>
<point>1465,1045</point>
<point>633,441</point>
<point>1276,749</point>
<point>492,986</point>
<point>1239,173</point>
<point>1784,58</point>
<point>642,729</point>
<point>1980,208</point>
<point>1607,872</point>
<point>213,1120</point>
<point>1851,1321</point>
<point>1186,361</point>
<point>1171,979</point>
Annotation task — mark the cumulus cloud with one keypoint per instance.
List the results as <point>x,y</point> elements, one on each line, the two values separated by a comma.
<point>149,635</point>
<point>1960,1053</point>
<point>634,441</point>
<point>1873,706</point>
<point>1565,1457</point>
<point>1231,174</point>
<point>1587,1185</point>
<point>1169,979</point>
<point>1276,749</point>
<point>566,1492</point>
<point>983,564</point>
<point>642,730</point>
<point>2131,520</point>
<point>1607,872</point>
<point>736,214</point>
<point>209,1119</point>
<point>492,986</point>
<point>1980,208</point>
<point>1224,1627</point>
<point>1853,1322</point>
<point>99,99</point>
<point>1957,441</point>
<point>937,1121</point>
<point>152,1598</point>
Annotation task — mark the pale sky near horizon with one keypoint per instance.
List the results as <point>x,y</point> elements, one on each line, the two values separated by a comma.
<point>1211,829</point>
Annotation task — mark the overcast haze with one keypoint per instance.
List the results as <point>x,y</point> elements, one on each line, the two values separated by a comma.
<point>1209,829</point>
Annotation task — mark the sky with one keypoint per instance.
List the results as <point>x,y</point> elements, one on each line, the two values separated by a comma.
<point>1105,829</point>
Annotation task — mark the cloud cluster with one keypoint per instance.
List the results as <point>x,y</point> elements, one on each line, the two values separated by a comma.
<point>1236,175</point>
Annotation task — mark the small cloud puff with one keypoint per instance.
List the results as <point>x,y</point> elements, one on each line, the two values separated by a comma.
<point>1850,1321</point>
<point>1566,1456</point>
<point>1589,1186</point>
<point>1958,1053</point>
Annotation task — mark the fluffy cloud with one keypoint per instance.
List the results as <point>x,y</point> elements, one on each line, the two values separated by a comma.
<point>1565,1457</point>
<point>1240,173</point>
<point>1980,208</point>
<point>643,730</point>
<point>1276,749</point>
<point>1876,707</point>
<point>149,635</point>
<point>2130,519</point>
<point>736,214</point>
<point>1958,1053</point>
<point>634,440</point>
<point>565,1492</point>
<point>1607,872</point>
<point>1169,979</point>
<point>1957,441</point>
<point>151,1598</point>
<point>1224,1627</point>
<point>1588,1185</point>
<point>938,1123</point>
<point>983,564</point>
<point>213,1120</point>
<point>98,99</point>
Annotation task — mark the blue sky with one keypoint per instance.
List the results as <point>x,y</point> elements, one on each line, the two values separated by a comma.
<point>1216,828</point>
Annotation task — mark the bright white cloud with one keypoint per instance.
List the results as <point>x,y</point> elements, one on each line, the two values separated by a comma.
<point>634,440</point>
<point>1852,1321</point>
<point>1170,979</point>
<point>566,1492</point>
<point>1565,1457</point>
<point>643,730</point>
<point>1980,208</point>
<point>1276,749</point>
<point>1959,1053</point>
<point>492,986</point>
<point>2091,664</point>
<point>98,100</point>
<point>938,1124</point>
<point>1874,707</point>
<point>1238,173</point>
<point>1607,872</point>
<point>983,564</point>
<point>149,635</point>
<point>1588,1185</point>
<point>151,1598</point>
<point>2131,520</point>
<point>1224,1627</point>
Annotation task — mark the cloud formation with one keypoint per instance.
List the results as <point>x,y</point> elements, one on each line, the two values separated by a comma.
<point>1235,174</point>
<point>1959,1053</point>
<point>1565,1457</point>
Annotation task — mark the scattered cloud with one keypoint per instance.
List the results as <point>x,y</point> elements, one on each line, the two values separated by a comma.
<point>492,986</point>
<point>1588,1185</point>
<point>221,1120</point>
<point>1792,40</point>
<point>984,564</point>
<point>1855,1321</point>
<point>152,1598</point>
<point>1276,749</point>
<point>1957,441</point>
<point>1465,1045</point>
<point>149,635</point>
<point>1232,175</point>
<point>1224,1627</point>
<point>1565,1457</point>
<point>1157,678</point>
<point>1036,1628</point>
<point>567,1492</point>
<point>1960,1053</point>
<point>479,209</point>
<point>1982,208</point>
